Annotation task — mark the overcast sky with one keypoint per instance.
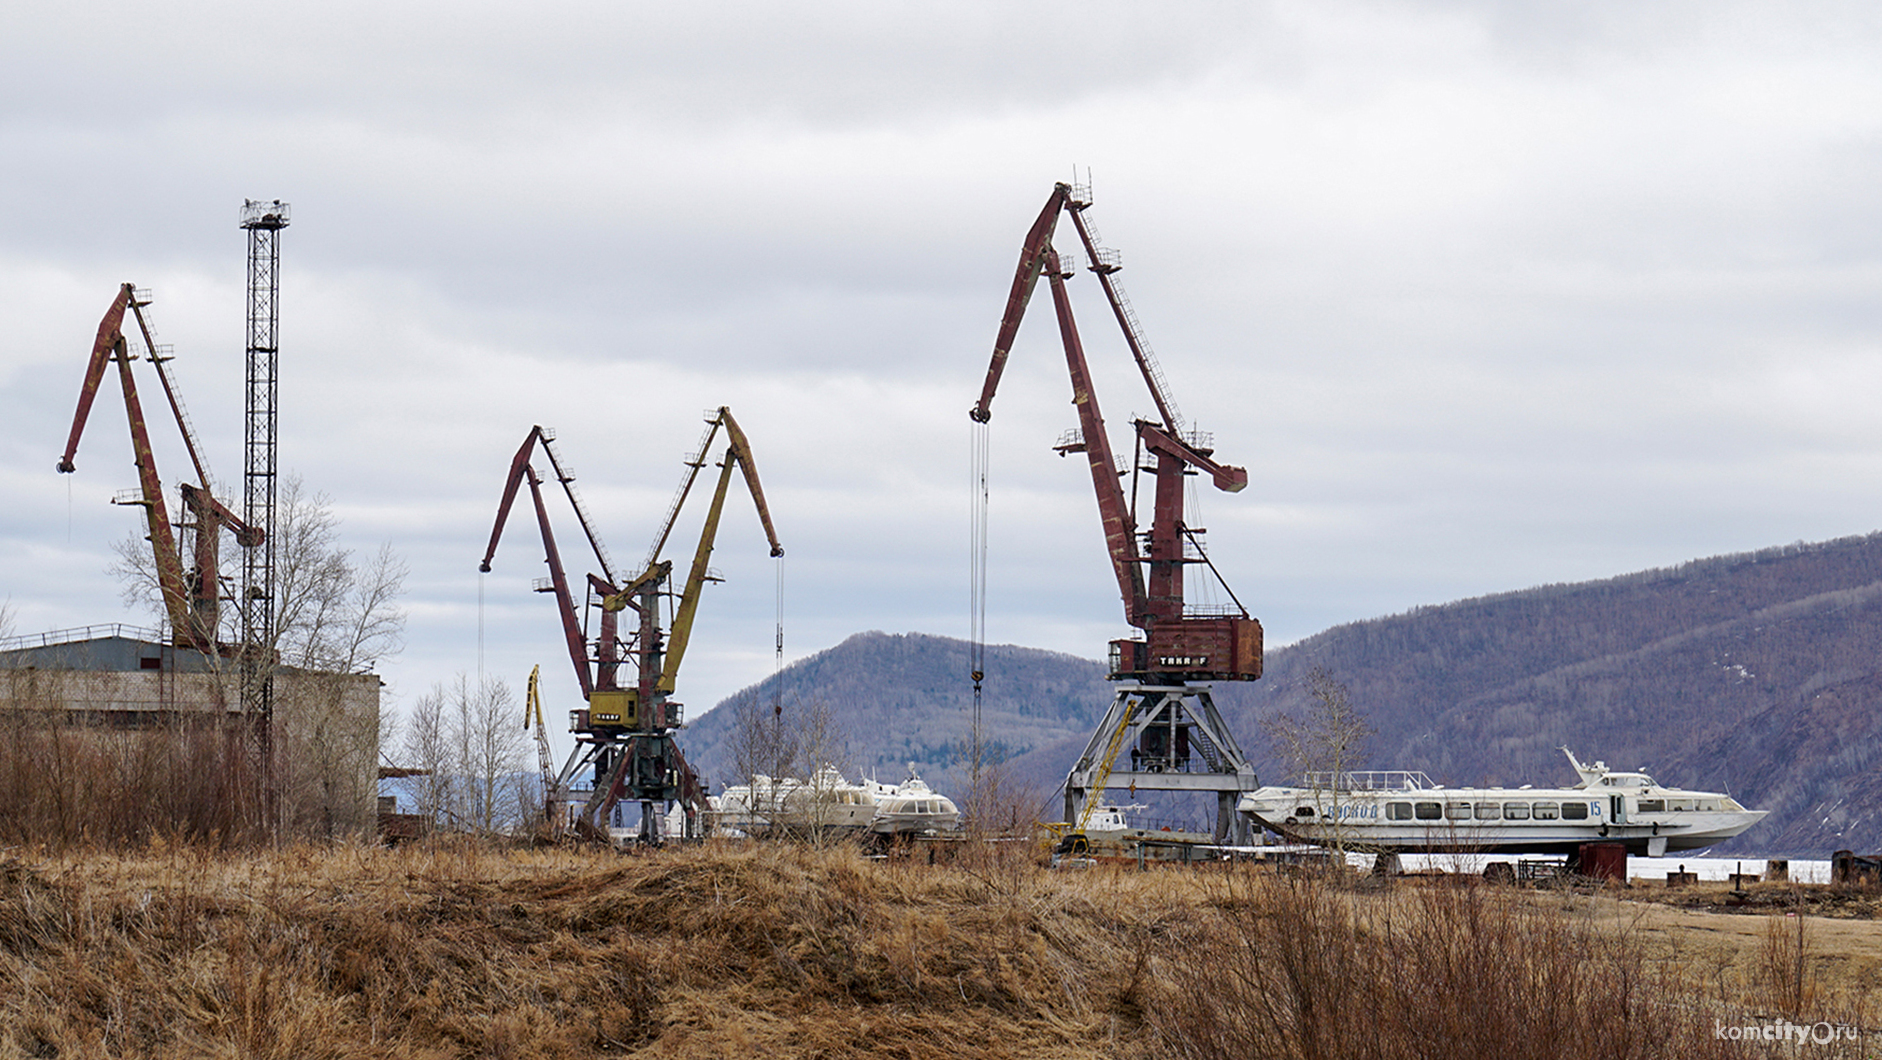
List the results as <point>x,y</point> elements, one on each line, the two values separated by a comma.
<point>1484,296</point>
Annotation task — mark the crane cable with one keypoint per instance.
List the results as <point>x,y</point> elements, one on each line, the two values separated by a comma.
<point>777,666</point>
<point>977,577</point>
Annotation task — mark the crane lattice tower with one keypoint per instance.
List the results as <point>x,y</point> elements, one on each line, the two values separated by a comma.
<point>263,220</point>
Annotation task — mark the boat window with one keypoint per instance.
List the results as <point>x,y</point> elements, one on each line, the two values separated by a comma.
<point>1652,805</point>
<point>1489,811</point>
<point>1457,811</point>
<point>1398,811</point>
<point>1574,811</point>
<point>1547,811</point>
<point>1680,806</point>
<point>1303,811</point>
<point>1429,811</point>
<point>1709,806</point>
<point>1516,811</point>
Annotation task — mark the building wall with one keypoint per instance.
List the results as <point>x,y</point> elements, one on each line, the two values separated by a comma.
<point>326,731</point>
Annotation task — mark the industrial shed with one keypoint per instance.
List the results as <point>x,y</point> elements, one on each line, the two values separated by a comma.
<point>114,725</point>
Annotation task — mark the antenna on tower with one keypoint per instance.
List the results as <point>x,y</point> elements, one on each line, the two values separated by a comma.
<point>263,220</point>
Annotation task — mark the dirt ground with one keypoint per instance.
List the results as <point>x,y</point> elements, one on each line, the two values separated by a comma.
<point>1728,940</point>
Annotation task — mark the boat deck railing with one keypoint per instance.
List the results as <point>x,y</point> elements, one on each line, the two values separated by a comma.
<point>1369,780</point>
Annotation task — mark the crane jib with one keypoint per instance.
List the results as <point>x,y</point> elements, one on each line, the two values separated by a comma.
<point>1149,568</point>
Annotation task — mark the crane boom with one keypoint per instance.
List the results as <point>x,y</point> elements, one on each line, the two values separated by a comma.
<point>540,435</point>
<point>559,584</point>
<point>1149,567</point>
<point>110,333</point>
<point>1032,261</point>
<point>545,756</point>
<point>1120,529</point>
<point>110,345</point>
<point>192,599</point>
<point>738,452</point>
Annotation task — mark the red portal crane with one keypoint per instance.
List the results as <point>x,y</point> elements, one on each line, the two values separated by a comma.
<point>1158,712</point>
<point>191,598</point>
<point>624,732</point>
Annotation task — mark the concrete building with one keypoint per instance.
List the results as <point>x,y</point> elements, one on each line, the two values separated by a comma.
<point>145,716</point>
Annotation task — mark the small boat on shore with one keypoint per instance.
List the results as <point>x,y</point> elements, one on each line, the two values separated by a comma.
<point>828,804</point>
<point>825,803</point>
<point>1403,811</point>
<point>912,808</point>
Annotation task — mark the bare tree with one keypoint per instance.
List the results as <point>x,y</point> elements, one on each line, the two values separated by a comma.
<point>490,750</point>
<point>327,736</point>
<point>822,756</point>
<point>330,613</point>
<point>427,748</point>
<point>1325,742</point>
<point>464,740</point>
<point>759,743</point>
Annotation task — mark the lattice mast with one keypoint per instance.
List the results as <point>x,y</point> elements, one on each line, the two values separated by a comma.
<point>263,220</point>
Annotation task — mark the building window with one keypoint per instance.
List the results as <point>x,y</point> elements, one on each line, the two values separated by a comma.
<point>152,663</point>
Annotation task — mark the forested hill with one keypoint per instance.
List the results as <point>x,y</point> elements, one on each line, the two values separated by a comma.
<point>1757,674</point>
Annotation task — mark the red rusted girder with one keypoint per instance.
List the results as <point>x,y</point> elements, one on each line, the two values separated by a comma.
<point>109,335</point>
<point>192,600</point>
<point>1120,530</point>
<point>1177,643</point>
<point>162,541</point>
<point>515,479</point>
<point>1032,260</point>
<point>559,584</point>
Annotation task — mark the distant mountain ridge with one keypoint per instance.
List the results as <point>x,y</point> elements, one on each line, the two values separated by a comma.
<point>1756,674</point>
<point>901,698</point>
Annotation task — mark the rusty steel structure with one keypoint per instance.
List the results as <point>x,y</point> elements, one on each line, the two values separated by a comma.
<point>192,596</point>
<point>625,733</point>
<point>1162,711</point>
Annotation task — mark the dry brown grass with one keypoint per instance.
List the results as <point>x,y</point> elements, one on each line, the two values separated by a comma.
<point>1446,967</point>
<point>462,950</point>
<point>764,950</point>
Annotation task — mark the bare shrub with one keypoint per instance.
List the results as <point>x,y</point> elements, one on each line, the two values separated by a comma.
<point>1784,961</point>
<point>1294,967</point>
<point>66,780</point>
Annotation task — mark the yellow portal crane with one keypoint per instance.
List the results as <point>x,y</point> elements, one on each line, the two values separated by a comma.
<point>650,768</point>
<point>553,807</point>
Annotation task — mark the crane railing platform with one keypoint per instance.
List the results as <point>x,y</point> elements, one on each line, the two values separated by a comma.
<point>1369,780</point>
<point>82,633</point>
